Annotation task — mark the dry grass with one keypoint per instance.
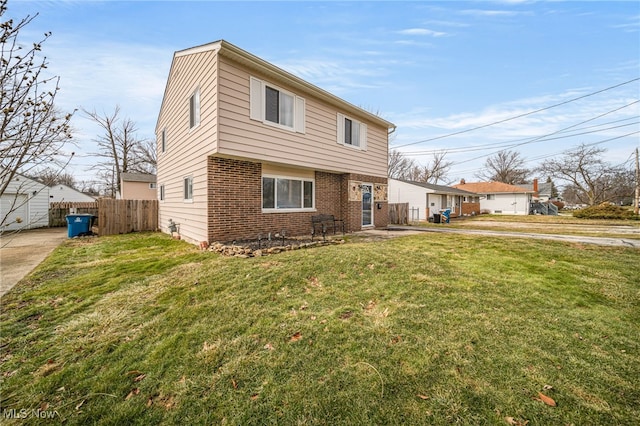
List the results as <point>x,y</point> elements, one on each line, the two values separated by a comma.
<point>425,329</point>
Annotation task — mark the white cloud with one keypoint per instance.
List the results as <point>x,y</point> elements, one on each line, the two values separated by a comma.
<point>486,12</point>
<point>422,32</point>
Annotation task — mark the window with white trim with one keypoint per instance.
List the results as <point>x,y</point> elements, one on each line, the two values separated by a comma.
<point>188,188</point>
<point>194,109</point>
<point>163,140</point>
<point>282,193</point>
<point>491,196</point>
<point>275,106</point>
<point>152,185</point>
<point>351,132</point>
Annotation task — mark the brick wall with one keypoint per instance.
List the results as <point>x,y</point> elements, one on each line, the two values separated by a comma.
<point>470,208</point>
<point>353,219</point>
<point>235,203</point>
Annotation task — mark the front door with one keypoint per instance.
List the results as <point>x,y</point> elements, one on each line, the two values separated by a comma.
<point>367,204</point>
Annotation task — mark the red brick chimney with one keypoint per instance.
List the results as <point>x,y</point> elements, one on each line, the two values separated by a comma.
<point>535,188</point>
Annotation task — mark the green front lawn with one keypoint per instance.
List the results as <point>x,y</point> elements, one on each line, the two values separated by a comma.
<point>425,329</point>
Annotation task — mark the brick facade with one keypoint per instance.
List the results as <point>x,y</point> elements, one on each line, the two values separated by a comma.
<point>469,209</point>
<point>235,202</point>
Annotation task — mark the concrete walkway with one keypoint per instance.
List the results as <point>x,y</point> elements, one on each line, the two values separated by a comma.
<point>20,253</point>
<point>602,241</point>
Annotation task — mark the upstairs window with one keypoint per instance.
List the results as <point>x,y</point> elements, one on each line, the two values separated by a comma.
<point>351,132</point>
<point>194,109</point>
<point>276,107</point>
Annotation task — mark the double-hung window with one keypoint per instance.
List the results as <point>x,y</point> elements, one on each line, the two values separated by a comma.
<point>351,132</point>
<point>281,193</point>
<point>275,106</point>
<point>194,109</point>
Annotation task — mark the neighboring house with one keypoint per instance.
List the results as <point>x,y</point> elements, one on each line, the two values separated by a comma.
<point>64,193</point>
<point>24,204</point>
<point>246,148</point>
<point>542,197</point>
<point>500,198</point>
<point>429,199</point>
<point>541,191</point>
<point>137,186</point>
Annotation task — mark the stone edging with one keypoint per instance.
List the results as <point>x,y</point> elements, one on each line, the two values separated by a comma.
<point>246,251</point>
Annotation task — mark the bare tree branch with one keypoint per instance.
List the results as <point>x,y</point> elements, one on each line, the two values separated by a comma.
<point>590,179</point>
<point>505,166</point>
<point>120,148</point>
<point>32,132</point>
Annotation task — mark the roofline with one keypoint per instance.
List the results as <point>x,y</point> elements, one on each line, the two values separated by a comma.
<point>439,188</point>
<point>234,52</point>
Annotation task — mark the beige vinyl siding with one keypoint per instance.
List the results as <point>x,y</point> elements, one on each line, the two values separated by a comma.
<point>241,137</point>
<point>138,191</point>
<point>187,149</point>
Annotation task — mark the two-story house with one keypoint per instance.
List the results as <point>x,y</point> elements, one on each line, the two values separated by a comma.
<point>246,148</point>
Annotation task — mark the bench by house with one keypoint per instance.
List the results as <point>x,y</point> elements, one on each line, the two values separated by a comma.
<point>325,222</point>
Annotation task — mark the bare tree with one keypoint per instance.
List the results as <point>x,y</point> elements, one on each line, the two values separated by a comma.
<point>505,166</point>
<point>437,169</point>
<point>50,177</point>
<point>122,151</point>
<point>32,132</point>
<point>144,158</point>
<point>399,165</point>
<point>590,179</point>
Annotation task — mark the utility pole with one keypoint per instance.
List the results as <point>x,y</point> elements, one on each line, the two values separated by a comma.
<point>637,183</point>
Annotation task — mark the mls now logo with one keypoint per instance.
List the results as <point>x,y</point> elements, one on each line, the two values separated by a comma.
<point>24,413</point>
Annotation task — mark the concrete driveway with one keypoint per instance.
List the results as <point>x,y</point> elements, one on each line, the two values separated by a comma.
<point>20,253</point>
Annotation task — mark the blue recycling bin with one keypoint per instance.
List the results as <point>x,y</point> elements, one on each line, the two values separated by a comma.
<point>446,214</point>
<point>79,224</point>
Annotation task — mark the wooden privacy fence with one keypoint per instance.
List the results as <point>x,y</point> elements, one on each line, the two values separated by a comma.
<point>398,213</point>
<point>58,211</point>
<point>124,216</point>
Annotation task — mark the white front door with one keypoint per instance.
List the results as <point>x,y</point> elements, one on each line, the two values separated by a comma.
<point>367,204</point>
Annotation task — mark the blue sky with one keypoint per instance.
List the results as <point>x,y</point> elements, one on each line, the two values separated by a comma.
<point>432,68</point>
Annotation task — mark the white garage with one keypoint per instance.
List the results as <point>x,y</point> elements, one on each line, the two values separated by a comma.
<point>24,205</point>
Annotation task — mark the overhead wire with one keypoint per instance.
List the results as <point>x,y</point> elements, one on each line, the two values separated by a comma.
<point>519,115</point>
<point>507,144</point>
<point>537,139</point>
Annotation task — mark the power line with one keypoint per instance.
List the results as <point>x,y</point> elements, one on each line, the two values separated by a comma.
<point>541,157</point>
<point>511,143</point>
<point>539,138</point>
<point>520,115</point>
